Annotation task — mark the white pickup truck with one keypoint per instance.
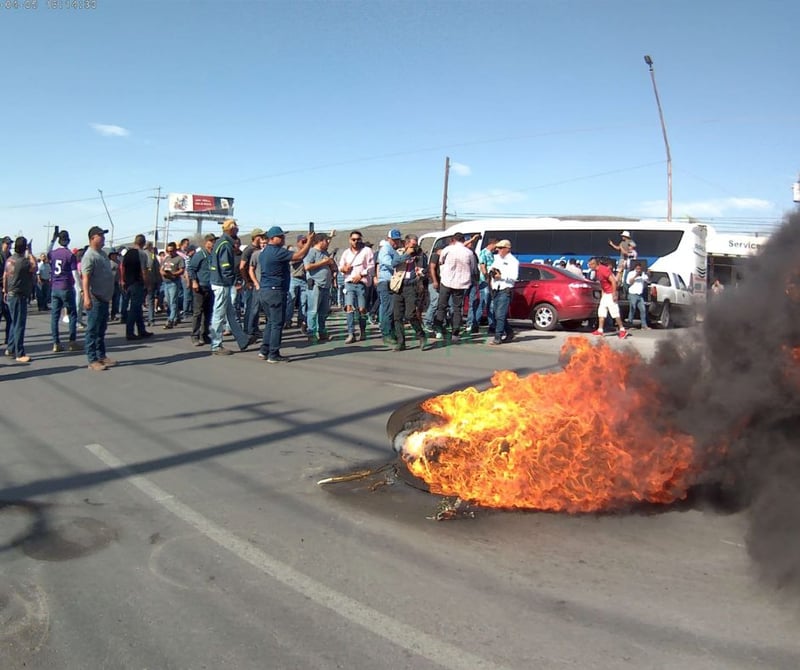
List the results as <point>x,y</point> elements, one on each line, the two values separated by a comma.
<point>669,301</point>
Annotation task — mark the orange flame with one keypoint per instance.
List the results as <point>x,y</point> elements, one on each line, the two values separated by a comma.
<point>584,439</point>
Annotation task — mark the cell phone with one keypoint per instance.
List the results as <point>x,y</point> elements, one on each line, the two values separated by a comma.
<point>310,226</point>
<point>57,230</point>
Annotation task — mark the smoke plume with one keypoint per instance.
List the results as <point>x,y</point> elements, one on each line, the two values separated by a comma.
<point>736,388</point>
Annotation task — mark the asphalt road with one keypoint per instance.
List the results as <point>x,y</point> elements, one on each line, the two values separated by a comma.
<point>166,514</point>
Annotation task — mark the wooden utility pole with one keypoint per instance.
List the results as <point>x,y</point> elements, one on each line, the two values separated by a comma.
<point>444,195</point>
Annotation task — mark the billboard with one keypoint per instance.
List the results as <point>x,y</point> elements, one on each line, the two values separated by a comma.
<point>188,203</point>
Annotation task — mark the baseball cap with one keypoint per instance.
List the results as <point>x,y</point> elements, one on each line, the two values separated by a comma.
<point>625,233</point>
<point>395,234</point>
<point>63,237</point>
<point>301,238</point>
<point>7,240</point>
<point>256,232</point>
<point>276,231</point>
<point>96,230</point>
<point>227,224</point>
<point>503,244</point>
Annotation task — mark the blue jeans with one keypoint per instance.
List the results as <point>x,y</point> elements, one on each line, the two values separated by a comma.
<point>319,306</point>
<point>501,301</point>
<point>474,312</point>
<point>273,302</point>
<point>96,324</point>
<point>486,303</point>
<point>298,292</point>
<point>252,308</point>
<point>433,305</point>
<point>43,294</point>
<point>18,309</point>
<point>173,293</point>
<point>386,310</point>
<point>637,303</point>
<point>63,298</point>
<point>188,298</point>
<point>355,298</point>
<point>222,310</point>
<point>134,319</point>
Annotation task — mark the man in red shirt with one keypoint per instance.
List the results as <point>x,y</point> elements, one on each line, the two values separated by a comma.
<point>608,303</point>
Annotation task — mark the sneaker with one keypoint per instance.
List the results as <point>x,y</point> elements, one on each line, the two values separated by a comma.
<point>278,359</point>
<point>350,338</point>
<point>474,329</point>
<point>9,353</point>
<point>169,325</point>
<point>97,366</point>
<point>324,337</point>
<point>58,348</point>
<point>109,362</point>
<point>494,343</point>
<point>74,346</point>
<point>623,334</point>
<point>222,351</point>
<point>439,336</point>
<point>455,339</point>
<point>23,359</point>
<point>196,342</point>
<point>598,332</point>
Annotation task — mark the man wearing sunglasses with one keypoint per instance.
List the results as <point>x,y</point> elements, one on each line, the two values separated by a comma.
<point>357,263</point>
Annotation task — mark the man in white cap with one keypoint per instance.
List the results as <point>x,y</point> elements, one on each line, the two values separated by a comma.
<point>387,254</point>
<point>627,253</point>
<point>504,272</point>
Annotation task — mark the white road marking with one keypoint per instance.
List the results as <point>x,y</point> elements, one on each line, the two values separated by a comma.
<point>412,388</point>
<point>396,632</point>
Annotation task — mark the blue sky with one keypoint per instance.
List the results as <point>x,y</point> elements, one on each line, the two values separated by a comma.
<point>343,112</point>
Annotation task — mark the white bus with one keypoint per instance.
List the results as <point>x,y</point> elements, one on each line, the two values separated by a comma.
<point>673,248</point>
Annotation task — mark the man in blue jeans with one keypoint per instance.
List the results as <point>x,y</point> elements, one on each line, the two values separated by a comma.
<point>98,289</point>
<point>504,272</point>
<point>222,267</point>
<point>274,280</point>
<point>64,274</point>
<point>137,275</point>
<point>18,281</point>
<point>387,254</point>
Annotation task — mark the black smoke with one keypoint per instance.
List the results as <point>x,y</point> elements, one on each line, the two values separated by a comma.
<point>735,385</point>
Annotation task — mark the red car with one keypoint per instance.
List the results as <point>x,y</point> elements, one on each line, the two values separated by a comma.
<point>548,296</point>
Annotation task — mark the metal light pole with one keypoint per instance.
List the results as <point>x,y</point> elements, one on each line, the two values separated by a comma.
<point>649,62</point>
<point>108,215</point>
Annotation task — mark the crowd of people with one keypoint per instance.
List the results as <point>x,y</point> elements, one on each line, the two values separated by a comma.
<point>227,290</point>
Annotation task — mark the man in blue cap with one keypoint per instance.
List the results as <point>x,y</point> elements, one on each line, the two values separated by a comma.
<point>275,276</point>
<point>387,255</point>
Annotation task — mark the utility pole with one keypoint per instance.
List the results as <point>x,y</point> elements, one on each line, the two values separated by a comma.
<point>110,220</point>
<point>47,229</point>
<point>444,195</point>
<point>649,62</point>
<point>158,199</point>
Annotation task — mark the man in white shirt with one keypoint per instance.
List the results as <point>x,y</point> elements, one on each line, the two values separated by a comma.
<point>457,266</point>
<point>504,272</point>
<point>637,283</point>
<point>357,263</point>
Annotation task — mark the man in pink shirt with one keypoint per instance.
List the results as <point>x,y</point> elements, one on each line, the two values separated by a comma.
<point>457,267</point>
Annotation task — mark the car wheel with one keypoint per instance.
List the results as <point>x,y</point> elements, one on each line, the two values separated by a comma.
<point>544,317</point>
<point>666,316</point>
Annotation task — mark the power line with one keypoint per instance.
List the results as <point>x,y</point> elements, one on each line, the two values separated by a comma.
<point>76,200</point>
